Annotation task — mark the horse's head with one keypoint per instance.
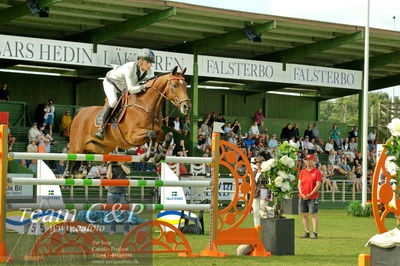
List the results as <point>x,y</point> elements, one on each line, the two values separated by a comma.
<point>176,91</point>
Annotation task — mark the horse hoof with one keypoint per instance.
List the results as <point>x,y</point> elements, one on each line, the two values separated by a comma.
<point>144,158</point>
<point>158,158</point>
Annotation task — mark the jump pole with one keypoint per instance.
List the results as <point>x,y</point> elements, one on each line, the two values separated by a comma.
<point>3,191</point>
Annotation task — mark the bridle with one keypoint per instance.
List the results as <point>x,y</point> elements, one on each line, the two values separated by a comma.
<point>176,101</point>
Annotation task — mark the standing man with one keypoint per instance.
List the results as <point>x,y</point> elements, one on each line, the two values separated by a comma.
<point>309,183</point>
<point>125,77</point>
<point>116,170</point>
<point>4,93</point>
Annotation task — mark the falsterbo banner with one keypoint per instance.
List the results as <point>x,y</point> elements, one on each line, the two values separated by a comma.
<point>81,54</point>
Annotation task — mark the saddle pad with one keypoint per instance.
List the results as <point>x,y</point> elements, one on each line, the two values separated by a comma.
<point>117,113</point>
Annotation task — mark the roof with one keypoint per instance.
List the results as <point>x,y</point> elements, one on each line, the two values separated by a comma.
<point>172,26</point>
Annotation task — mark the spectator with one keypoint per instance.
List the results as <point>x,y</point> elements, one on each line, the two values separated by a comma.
<point>334,133</point>
<point>236,127</point>
<point>201,141</point>
<point>166,122</point>
<point>96,171</point>
<point>34,133</point>
<point>309,183</point>
<point>221,118</point>
<point>4,93</point>
<point>47,148</point>
<point>294,132</point>
<point>231,138</point>
<point>186,124</point>
<point>259,118</point>
<point>272,144</point>
<point>249,145</point>
<point>49,115</point>
<point>354,134</point>
<point>203,128</point>
<point>180,149</point>
<point>117,194</point>
<point>32,147</point>
<point>345,145</point>
<point>41,145</point>
<point>309,132</point>
<point>316,134</point>
<point>60,168</point>
<point>33,166</point>
<point>185,132</point>
<point>11,140</point>
<point>372,158</point>
<point>177,124</point>
<point>372,136</point>
<point>329,146</point>
<point>358,160</point>
<point>253,131</point>
<point>316,147</point>
<point>259,201</point>
<point>139,151</point>
<point>66,122</point>
<point>373,145</point>
<point>66,148</point>
<point>286,132</point>
<point>227,128</point>
<point>211,119</point>
<point>43,132</point>
<point>326,175</point>
<point>307,145</point>
<point>353,146</point>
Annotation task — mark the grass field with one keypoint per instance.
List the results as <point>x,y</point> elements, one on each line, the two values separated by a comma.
<point>341,239</point>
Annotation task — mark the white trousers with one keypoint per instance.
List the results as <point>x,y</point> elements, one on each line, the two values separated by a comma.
<point>111,93</point>
<point>258,205</point>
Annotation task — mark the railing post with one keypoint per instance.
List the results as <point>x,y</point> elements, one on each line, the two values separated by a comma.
<point>344,191</point>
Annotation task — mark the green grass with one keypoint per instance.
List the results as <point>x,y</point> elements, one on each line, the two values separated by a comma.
<point>341,240</point>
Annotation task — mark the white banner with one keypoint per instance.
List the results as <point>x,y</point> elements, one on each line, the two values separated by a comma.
<point>74,53</point>
<point>19,192</point>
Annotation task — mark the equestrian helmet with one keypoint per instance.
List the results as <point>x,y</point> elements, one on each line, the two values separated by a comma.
<point>147,55</point>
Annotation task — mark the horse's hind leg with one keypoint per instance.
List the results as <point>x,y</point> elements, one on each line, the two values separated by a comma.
<point>167,142</point>
<point>150,152</point>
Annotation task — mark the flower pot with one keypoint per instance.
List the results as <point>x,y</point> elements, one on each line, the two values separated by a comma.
<point>291,206</point>
<point>385,256</point>
<point>278,236</point>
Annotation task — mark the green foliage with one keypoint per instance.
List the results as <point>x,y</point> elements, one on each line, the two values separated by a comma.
<point>355,209</point>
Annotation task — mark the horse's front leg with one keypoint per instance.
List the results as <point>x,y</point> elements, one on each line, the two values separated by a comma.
<point>150,151</point>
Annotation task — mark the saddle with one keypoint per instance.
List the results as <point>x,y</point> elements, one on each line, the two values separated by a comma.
<point>117,113</point>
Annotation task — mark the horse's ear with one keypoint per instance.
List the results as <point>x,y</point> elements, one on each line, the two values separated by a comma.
<point>174,71</point>
<point>183,71</point>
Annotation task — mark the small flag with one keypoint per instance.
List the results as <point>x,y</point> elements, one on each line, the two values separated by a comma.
<point>174,193</point>
<point>51,192</point>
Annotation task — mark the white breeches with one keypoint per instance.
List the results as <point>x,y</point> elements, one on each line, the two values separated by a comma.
<point>111,93</point>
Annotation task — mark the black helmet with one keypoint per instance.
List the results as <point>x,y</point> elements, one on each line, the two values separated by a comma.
<point>147,55</point>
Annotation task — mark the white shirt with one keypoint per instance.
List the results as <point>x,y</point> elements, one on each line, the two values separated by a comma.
<point>33,133</point>
<point>254,130</point>
<point>371,136</point>
<point>177,125</point>
<point>328,147</point>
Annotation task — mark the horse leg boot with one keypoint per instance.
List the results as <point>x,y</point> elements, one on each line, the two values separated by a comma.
<point>167,142</point>
<point>102,120</point>
<point>150,151</point>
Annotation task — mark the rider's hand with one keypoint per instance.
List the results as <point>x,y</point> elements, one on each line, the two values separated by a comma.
<point>144,87</point>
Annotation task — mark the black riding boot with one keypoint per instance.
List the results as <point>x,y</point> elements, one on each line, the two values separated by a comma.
<point>104,115</point>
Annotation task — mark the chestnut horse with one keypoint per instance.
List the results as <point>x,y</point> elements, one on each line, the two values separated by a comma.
<point>140,124</point>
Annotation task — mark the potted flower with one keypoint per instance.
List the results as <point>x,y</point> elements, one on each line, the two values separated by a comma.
<point>281,178</point>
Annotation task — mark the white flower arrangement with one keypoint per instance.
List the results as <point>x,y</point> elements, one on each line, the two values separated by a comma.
<point>281,174</point>
<point>394,127</point>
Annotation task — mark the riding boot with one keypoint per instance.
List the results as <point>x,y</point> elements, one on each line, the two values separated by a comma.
<point>104,115</point>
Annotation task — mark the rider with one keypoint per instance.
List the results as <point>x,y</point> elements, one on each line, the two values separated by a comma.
<point>125,77</point>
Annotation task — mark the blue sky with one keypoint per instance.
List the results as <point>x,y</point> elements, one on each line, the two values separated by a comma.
<point>351,12</point>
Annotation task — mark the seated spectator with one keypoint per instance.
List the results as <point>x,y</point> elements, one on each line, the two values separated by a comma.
<point>286,132</point>
<point>309,132</point>
<point>221,118</point>
<point>236,127</point>
<point>292,141</point>
<point>326,178</point>
<point>316,147</point>
<point>307,145</point>
<point>41,145</point>
<point>227,128</point>
<point>203,128</point>
<point>345,145</point>
<point>66,122</point>
<point>342,162</point>
<point>167,122</point>
<point>11,140</point>
<point>329,146</point>
<point>249,145</point>
<point>44,133</point>
<point>33,166</point>
<point>253,131</point>
<point>372,136</point>
<point>211,119</point>
<point>373,145</point>
<point>34,133</point>
<point>177,124</point>
<point>272,144</point>
<point>185,132</point>
<point>316,135</point>
<point>32,147</point>
<point>334,133</point>
<point>97,171</point>
<point>354,134</point>
<point>294,132</point>
<point>299,143</point>
<point>353,145</point>
<point>47,148</point>
<point>186,124</point>
<point>356,180</point>
<point>60,168</point>
<point>23,163</point>
<point>358,160</point>
<point>201,141</point>
<point>180,149</point>
<point>231,138</point>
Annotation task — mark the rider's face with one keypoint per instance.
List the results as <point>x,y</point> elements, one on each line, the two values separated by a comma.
<point>144,65</point>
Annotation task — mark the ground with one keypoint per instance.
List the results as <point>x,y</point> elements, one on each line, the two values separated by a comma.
<point>341,239</point>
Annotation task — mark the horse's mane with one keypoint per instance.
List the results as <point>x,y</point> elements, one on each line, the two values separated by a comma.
<point>159,75</point>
